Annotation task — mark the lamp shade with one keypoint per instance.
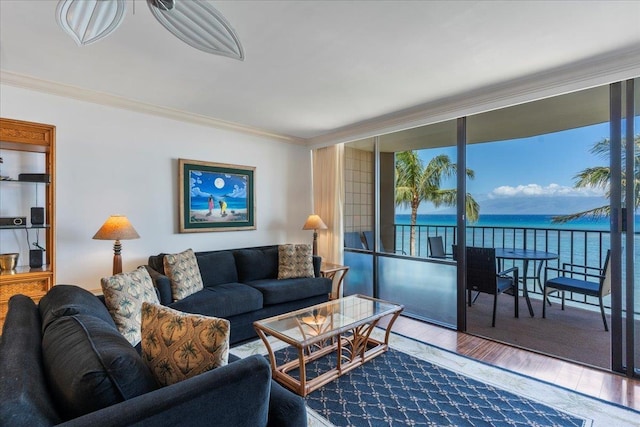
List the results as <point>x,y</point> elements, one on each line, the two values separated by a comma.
<point>314,222</point>
<point>117,227</point>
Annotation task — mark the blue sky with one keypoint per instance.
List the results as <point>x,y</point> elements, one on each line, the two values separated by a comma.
<point>219,185</point>
<point>541,167</point>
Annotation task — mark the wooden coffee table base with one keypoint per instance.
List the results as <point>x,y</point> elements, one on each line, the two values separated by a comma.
<point>353,348</point>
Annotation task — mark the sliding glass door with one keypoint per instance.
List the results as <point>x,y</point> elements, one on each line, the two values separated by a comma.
<point>546,177</point>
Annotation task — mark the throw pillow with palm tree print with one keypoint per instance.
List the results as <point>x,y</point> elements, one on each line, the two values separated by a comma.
<point>176,346</point>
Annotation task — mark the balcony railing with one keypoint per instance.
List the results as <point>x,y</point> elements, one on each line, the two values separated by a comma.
<point>585,247</point>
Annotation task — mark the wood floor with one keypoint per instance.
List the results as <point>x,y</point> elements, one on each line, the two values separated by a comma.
<point>593,382</point>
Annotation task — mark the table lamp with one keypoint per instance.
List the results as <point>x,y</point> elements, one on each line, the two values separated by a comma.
<point>116,227</point>
<point>315,223</point>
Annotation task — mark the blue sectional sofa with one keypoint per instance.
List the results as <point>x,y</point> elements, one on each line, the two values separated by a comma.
<point>64,362</point>
<point>242,285</point>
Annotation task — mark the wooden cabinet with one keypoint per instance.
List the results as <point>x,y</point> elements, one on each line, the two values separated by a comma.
<point>35,142</point>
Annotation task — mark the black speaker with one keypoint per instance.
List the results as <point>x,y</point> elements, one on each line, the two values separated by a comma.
<point>35,258</point>
<point>37,216</point>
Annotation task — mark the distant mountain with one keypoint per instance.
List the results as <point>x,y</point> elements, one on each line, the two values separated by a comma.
<point>539,205</point>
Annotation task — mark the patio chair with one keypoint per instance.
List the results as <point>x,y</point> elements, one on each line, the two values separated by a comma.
<point>436,248</point>
<point>368,243</point>
<point>353,239</point>
<point>566,282</point>
<point>482,276</point>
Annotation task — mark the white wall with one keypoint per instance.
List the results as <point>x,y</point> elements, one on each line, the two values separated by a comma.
<point>112,161</point>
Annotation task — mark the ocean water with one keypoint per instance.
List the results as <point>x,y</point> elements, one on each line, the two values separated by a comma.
<point>583,241</point>
<point>202,203</point>
<point>529,221</point>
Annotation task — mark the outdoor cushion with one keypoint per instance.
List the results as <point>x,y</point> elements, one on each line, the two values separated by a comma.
<point>124,294</point>
<point>217,267</point>
<point>285,290</point>
<point>177,346</point>
<point>68,300</point>
<point>294,261</point>
<point>223,300</point>
<point>569,283</point>
<point>257,264</point>
<point>89,365</point>
<point>182,269</point>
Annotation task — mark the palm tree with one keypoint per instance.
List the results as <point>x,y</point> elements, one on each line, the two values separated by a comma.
<point>600,177</point>
<point>416,183</point>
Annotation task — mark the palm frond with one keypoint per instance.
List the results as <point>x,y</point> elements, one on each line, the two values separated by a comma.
<point>595,213</point>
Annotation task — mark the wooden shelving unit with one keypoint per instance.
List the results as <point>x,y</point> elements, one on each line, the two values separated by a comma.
<point>34,282</point>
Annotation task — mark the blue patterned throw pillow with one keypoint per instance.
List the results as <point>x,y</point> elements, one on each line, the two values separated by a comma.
<point>184,273</point>
<point>124,294</point>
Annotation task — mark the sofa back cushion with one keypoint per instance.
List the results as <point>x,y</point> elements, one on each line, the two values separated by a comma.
<point>257,263</point>
<point>69,300</point>
<point>217,268</point>
<point>24,397</point>
<point>89,365</point>
<point>157,262</point>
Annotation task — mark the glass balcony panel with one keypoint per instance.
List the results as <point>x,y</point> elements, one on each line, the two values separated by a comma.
<point>427,289</point>
<point>359,279</point>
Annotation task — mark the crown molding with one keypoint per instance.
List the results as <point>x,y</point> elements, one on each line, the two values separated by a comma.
<point>68,91</point>
<point>604,69</point>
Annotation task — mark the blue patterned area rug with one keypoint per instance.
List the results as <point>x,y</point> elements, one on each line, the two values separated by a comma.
<point>415,384</point>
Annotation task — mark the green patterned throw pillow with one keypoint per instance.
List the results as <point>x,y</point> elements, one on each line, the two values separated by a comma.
<point>176,346</point>
<point>182,269</point>
<point>294,261</point>
<point>124,294</point>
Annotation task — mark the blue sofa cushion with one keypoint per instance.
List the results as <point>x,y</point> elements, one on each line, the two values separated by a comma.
<point>285,290</point>
<point>24,397</point>
<point>257,264</point>
<point>217,267</point>
<point>89,365</point>
<point>225,300</point>
<point>69,300</point>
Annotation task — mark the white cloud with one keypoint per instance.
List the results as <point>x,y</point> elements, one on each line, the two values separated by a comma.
<point>536,190</point>
<point>238,191</point>
<point>196,192</point>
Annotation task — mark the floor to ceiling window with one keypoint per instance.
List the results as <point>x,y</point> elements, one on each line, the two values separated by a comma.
<point>415,181</point>
<point>541,206</point>
<point>534,182</point>
<point>359,218</point>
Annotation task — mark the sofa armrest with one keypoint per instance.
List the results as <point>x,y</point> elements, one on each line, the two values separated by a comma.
<point>317,261</point>
<point>162,284</point>
<point>286,408</point>
<point>233,395</point>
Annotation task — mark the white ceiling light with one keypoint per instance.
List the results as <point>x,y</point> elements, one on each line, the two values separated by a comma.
<point>195,22</point>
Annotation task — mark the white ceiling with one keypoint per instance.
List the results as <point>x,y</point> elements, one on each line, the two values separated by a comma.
<point>314,68</point>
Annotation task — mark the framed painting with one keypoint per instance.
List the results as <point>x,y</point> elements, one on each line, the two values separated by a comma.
<point>216,197</point>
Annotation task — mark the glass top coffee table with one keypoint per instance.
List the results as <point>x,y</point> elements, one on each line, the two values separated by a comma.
<point>342,326</point>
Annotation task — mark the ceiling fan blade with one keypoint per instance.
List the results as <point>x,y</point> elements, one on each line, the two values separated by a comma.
<point>88,21</point>
<point>200,25</point>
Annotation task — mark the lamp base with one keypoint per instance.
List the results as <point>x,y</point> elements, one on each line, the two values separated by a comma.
<point>117,259</point>
<point>315,243</point>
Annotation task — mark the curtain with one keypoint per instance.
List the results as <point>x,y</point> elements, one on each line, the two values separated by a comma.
<point>328,200</point>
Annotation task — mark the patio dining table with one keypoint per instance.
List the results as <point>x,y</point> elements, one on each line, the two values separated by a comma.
<point>525,255</point>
